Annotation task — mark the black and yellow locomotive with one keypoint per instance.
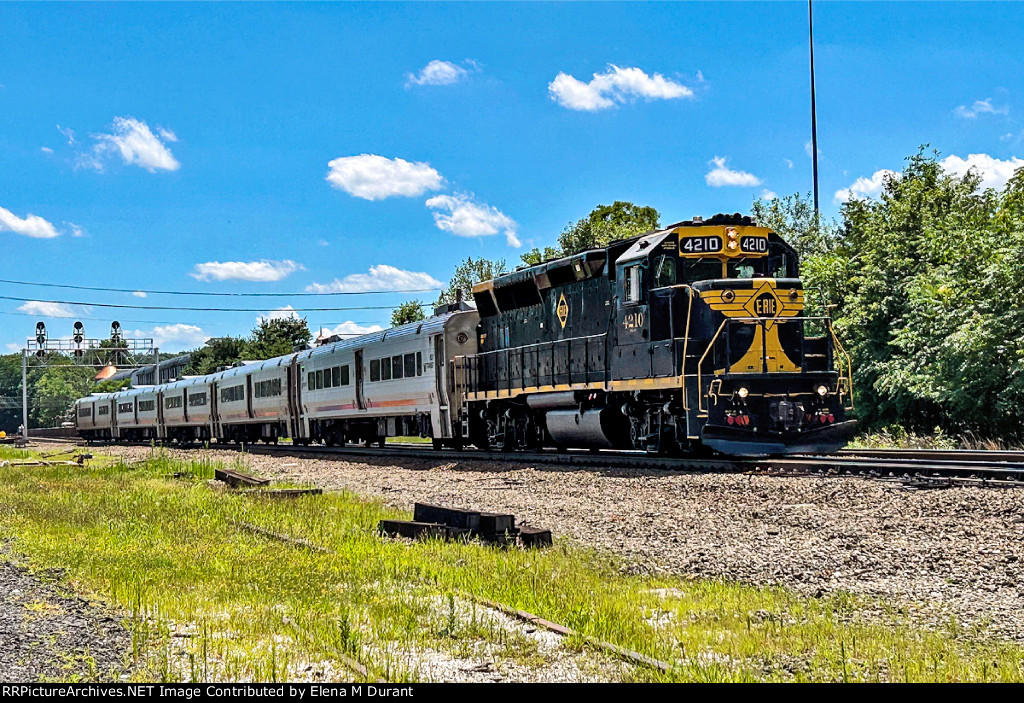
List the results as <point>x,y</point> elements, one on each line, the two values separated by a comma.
<point>685,338</point>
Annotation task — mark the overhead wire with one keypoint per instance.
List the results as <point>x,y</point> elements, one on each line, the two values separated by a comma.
<point>213,293</point>
<point>122,306</point>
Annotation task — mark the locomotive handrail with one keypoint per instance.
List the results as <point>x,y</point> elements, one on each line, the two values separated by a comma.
<point>849,363</point>
<point>535,344</point>
<point>469,364</point>
<point>700,365</point>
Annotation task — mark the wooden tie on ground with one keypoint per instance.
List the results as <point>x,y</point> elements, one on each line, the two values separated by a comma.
<point>237,478</point>
<point>450,523</point>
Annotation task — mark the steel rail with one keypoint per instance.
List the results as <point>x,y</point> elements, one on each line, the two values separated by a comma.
<point>968,468</point>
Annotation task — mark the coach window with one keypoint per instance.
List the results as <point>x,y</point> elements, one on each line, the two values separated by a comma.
<point>311,381</point>
<point>385,369</point>
<point>319,379</point>
<point>410,365</point>
<point>344,375</point>
<point>396,366</point>
<point>336,376</point>
<point>419,363</point>
<point>375,370</point>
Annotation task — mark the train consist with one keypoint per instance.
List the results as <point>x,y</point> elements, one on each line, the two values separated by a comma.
<point>688,338</point>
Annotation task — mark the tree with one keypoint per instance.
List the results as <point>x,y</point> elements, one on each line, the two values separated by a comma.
<point>277,336</point>
<point>411,311</point>
<point>604,224</point>
<point>53,393</point>
<point>468,274</point>
<point>217,352</point>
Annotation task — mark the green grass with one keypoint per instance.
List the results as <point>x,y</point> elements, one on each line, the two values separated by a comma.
<point>166,552</point>
<point>408,440</point>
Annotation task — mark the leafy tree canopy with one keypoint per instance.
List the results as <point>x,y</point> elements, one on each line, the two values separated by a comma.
<point>604,224</point>
<point>411,311</point>
<point>468,274</point>
<point>925,284</point>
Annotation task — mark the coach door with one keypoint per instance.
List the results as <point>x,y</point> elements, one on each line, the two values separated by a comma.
<point>295,397</point>
<point>158,431</point>
<point>360,397</point>
<point>442,387</point>
<point>248,396</point>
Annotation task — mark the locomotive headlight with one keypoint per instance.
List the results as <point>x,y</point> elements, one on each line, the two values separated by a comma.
<point>730,235</point>
<point>822,391</point>
<point>742,392</point>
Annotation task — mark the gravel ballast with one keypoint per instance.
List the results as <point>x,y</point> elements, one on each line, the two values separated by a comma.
<point>940,553</point>
<point>46,634</point>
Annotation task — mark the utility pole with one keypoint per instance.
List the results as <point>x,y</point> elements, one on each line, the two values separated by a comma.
<point>814,118</point>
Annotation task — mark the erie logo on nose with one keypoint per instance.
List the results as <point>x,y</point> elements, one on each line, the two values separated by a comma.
<point>766,305</point>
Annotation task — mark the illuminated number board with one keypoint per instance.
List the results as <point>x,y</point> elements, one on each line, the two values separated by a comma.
<point>700,246</point>
<point>754,245</point>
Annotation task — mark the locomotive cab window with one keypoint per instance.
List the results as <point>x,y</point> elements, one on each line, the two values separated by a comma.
<point>702,270</point>
<point>744,268</point>
<point>664,271</point>
<point>632,282</point>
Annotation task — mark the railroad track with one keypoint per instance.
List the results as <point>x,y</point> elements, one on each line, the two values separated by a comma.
<point>911,467</point>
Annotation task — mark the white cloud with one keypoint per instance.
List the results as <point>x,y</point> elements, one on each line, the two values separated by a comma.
<point>47,309</point>
<point>374,177</point>
<point>994,172</point>
<point>139,294</point>
<point>69,134</point>
<point>262,271</point>
<point>46,149</point>
<point>616,85</point>
<point>981,107</point>
<point>769,194</point>
<point>721,175</point>
<point>135,142</point>
<point>789,163</point>
<point>29,226</point>
<point>382,277</point>
<point>13,347</point>
<point>437,73</point>
<point>809,150</point>
<point>865,187</point>
<point>467,218</point>
<point>177,337</point>
<point>76,231</point>
<point>351,329</point>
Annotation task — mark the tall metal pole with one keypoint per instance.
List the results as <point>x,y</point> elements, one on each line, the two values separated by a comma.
<point>24,393</point>
<point>814,117</point>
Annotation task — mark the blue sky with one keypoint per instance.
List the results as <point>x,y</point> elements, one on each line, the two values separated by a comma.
<point>280,148</point>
